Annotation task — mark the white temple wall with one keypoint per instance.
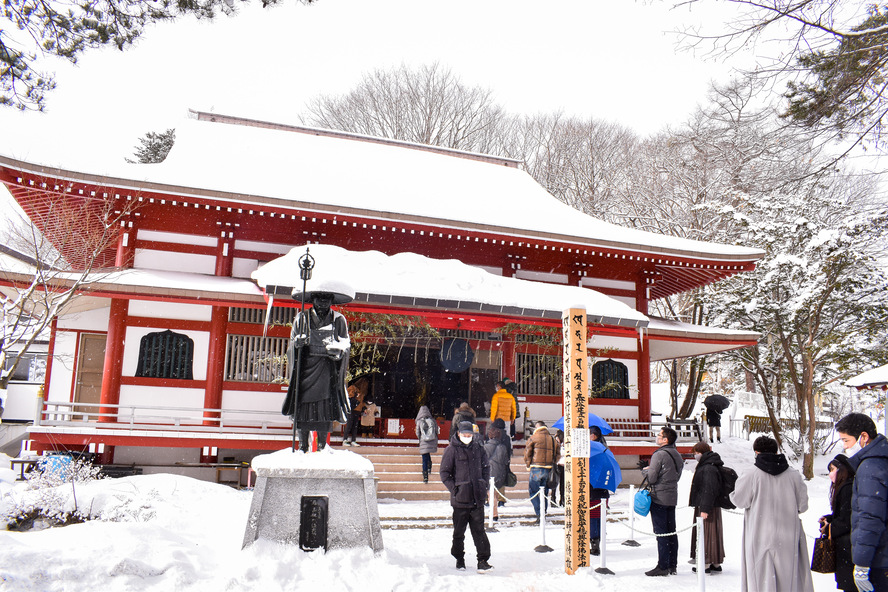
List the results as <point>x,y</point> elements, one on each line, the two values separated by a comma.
<point>172,261</point>
<point>95,320</point>
<point>62,366</point>
<point>190,399</point>
<point>170,310</point>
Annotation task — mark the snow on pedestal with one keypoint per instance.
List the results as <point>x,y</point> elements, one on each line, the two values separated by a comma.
<point>345,479</point>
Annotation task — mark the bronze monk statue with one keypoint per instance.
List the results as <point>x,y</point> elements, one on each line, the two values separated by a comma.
<point>318,360</point>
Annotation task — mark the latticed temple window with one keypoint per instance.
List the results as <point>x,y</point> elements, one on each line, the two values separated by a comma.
<point>610,380</point>
<point>165,355</point>
<point>253,358</point>
<point>538,375</point>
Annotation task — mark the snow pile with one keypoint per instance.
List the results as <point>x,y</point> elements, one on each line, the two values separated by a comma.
<point>167,532</point>
<point>329,458</point>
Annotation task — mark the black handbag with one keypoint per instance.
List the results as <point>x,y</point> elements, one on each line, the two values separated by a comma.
<point>552,481</point>
<point>824,558</point>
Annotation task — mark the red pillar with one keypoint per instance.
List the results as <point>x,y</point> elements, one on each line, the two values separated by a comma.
<point>114,347</point>
<point>126,245</point>
<point>50,352</point>
<point>224,254</point>
<point>644,356</point>
<point>218,336</point>
<point>215,364</point>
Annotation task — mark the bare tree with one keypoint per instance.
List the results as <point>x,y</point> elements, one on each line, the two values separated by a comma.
<point>582,162</point>
<point>428,105</point>
<point>831,55</point>
<point>66,242</point>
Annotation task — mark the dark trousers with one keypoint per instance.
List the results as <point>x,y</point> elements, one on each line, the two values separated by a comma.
<point>878,577</point>
<point>351,426</point>
<point>663,520</point>
<point>474,519</point>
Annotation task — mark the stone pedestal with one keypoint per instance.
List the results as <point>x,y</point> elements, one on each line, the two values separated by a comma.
<point>346,479</point>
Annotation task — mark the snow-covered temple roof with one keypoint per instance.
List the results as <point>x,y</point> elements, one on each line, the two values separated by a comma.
<point>253,165</point>
<point>412,280</point>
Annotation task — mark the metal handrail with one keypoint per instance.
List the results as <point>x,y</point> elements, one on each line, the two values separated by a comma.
<point>132,417</point>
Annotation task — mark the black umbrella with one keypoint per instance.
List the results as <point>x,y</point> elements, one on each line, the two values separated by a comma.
<point>717,402</point>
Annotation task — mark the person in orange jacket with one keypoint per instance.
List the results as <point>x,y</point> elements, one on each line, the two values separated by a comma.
<point>503,405</point>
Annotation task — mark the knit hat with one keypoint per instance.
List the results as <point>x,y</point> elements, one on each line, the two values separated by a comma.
<point>465,427</point>
<point>841,459</point>
<point>499,424</point>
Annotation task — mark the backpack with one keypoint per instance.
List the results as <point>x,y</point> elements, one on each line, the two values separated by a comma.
<point>728,481</point>
<point>427,429</point>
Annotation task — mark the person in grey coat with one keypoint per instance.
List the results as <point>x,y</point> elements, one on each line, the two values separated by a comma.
<point>663,474</point>
<point>498,455</point>
<point>427,433</point>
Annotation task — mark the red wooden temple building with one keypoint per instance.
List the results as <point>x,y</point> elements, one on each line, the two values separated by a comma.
<point>164,357</point>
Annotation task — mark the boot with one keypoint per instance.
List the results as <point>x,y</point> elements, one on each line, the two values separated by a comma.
<point>595,547</point>
<point>304,439</point>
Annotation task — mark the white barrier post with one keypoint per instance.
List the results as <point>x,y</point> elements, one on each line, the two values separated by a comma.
<point>701,556</point>
<point>491,502</point>
<point>602,544</point>
<point>632,542</point>
<point>543,547</point>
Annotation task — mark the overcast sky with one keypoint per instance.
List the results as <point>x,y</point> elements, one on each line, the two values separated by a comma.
<point>614,60</point>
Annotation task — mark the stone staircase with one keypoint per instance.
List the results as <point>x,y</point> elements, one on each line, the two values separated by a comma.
<point>399,472</point>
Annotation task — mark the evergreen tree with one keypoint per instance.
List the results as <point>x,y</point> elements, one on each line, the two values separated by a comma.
<point>833,52</point>
<point>818,297</point>
<point>155,147</point>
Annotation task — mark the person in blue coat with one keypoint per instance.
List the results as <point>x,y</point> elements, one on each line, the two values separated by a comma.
<point>869,500</point>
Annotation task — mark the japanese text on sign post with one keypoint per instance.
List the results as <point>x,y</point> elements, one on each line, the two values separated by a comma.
<point>576,425</point>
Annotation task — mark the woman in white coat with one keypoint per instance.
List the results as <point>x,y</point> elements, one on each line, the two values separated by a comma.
<point>775,555</point>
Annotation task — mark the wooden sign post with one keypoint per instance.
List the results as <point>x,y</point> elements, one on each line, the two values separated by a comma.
<point>576,440</point>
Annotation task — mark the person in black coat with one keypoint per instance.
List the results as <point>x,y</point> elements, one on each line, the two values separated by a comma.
<point>713,420</point>
<point>465,471</point>
<point>839,522</point>
<point>705,489</point>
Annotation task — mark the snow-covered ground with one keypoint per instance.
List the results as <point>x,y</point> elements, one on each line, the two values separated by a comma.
<point>166,532</point>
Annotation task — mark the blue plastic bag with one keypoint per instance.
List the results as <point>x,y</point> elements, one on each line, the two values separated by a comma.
<point>642,502</point>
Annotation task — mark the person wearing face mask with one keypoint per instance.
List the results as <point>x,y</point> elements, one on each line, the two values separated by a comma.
<point>774,554</point>
<point>465,472</point>
<point>705,488</point>
<point>838,524</point>
<point>869,500</point>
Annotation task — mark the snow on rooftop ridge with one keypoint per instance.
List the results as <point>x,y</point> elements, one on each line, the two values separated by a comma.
<point>331,133</point>
<point>403,185</point>
<point>874,377</point>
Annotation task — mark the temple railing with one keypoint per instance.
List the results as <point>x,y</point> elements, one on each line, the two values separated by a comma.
<point>146,417</point>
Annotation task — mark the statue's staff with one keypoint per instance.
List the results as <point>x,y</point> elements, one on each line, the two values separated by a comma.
<point>306,264</point>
